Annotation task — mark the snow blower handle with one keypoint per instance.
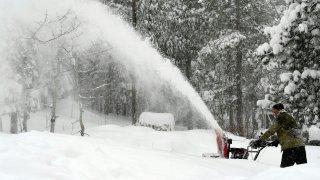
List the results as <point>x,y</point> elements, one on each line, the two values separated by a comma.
<point>258,143</point>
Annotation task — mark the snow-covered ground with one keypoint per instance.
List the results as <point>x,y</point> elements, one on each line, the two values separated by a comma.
<point>117,150</point>
<point>140,153</point>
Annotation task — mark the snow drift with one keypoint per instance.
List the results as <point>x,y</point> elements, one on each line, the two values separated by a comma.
<point>137,153</point>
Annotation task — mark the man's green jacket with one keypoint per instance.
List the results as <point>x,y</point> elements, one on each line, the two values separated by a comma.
<point>288,132</point>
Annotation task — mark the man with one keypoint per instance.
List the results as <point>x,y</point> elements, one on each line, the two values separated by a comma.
<point>289,136</point>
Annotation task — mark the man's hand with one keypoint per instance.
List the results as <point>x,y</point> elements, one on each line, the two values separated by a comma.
<point>255,143</point>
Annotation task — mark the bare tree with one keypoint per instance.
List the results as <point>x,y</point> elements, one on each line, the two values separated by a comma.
<point>77,92</point>
<point>61,29</point>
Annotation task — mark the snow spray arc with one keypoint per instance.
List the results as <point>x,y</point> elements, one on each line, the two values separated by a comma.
<point>99,23</point>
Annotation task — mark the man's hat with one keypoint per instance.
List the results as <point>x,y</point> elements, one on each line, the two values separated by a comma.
<point>278,106</point>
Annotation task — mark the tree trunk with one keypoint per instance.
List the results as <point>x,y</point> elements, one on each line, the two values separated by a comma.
<point>54,91</point>
<point>124,109</point>
<point>247,114</point>
<point>239,107</point>
<point>77,91</point>
<point>14,123</point>
<point>53,111</point>
<point>254,121</point>
<point>134,90</point>
<point>134,103</point>
<point>25,121</point>
<point>267,121</point>
<point>232,126</point>
<point>263,119</point>
<point>188,69</point>
<point>25,109</point>
<point>81,121</point>
<point>134,13</point>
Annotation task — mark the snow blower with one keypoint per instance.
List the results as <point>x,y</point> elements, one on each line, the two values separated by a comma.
<point>241,153</point>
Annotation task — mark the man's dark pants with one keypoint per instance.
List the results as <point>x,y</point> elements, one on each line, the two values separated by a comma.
<point>293,155</point>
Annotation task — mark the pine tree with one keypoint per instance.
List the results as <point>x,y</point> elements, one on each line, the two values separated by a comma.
<point>229,55</point>
<point>294,46</point>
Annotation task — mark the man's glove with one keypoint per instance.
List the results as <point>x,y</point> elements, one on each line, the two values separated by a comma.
<point>274,143</point>
<point>255,143</point>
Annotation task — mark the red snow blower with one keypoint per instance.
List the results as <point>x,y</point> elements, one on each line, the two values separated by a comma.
<point>228,152</point>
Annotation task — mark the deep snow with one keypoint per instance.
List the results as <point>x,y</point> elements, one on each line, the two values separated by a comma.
<point>115,152</point>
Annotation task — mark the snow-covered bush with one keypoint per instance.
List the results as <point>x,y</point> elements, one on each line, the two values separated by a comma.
<point>314,133</point>
<point>157,121</point>
<point>265,103</point>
